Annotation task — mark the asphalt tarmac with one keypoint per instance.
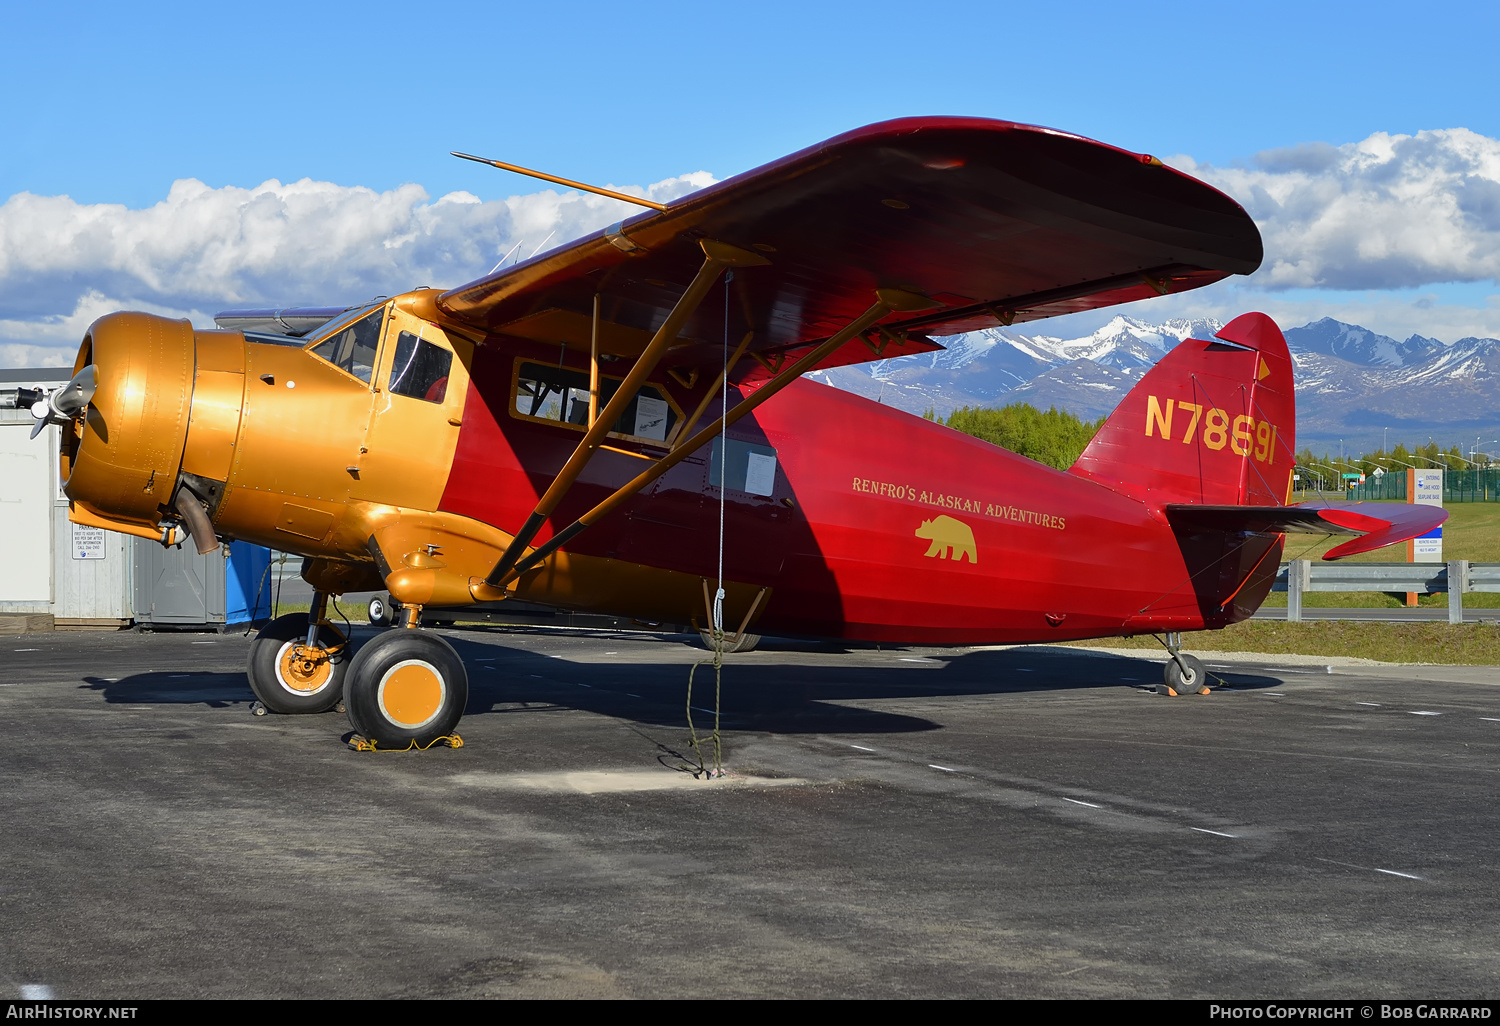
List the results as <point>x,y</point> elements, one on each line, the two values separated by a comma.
<point>1027,822</point>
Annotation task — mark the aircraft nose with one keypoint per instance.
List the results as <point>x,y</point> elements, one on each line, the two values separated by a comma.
<point>127,409</point>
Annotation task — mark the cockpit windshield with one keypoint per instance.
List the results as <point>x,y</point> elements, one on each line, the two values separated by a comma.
<point>353,348</point>
<point>343,320</point>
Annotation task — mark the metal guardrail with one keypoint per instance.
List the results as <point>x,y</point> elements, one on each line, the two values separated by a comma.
<point>1301,576</point>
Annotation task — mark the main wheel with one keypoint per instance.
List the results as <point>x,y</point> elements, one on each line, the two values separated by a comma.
<point>289,677</point>
<point>744,643</point>
<point>405,685</point>
<point>1189,681</point>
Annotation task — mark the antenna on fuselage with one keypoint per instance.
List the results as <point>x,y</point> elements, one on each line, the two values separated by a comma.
<point>518,169</point>
<point>507,255</point>
<point>539,245</point>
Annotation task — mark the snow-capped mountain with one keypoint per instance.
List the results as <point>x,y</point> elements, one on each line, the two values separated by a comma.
<point>1360,345</point>
<point>1124,342</point>
<point>1352,383</point>
<point>983,367</point>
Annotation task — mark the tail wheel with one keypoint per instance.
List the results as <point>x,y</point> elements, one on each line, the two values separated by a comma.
<point>289,677</point>
<point>1191,678</point>
<point>744,643</point>
<point>382,610</point>
<point>405,686</point>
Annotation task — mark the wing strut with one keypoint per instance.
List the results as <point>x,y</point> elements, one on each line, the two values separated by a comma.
<point>679,433</point>
<point>493,587</point>
<point>716,258</point>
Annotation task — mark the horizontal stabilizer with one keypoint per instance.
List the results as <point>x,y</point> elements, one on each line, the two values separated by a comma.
<point>1376,524</point>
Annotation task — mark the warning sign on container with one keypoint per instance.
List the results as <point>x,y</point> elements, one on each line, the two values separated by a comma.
<point>88,542</point>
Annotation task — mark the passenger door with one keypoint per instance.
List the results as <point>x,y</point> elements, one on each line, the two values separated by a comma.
<point>420,385</point>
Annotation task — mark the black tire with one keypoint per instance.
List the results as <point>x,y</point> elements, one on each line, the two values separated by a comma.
<point>381,610</point>
<point>745,642</point>
<point>1190,683</point>
<point>274,671</point>
<point>394,708</point>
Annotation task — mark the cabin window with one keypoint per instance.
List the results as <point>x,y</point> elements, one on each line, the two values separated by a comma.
<point>353,348</point>
<point>420,369</point>
<point>562,394</point>
<point>751,467</point>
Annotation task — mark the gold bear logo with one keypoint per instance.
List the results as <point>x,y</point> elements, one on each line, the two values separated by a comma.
<point>948,535</point>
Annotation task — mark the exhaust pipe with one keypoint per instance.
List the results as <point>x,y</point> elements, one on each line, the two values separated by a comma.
<point>196,518</point>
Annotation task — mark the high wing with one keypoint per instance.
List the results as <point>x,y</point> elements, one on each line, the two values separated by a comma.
<point>852,250</point>
<point>1375,523</point>
<point>995,222</point>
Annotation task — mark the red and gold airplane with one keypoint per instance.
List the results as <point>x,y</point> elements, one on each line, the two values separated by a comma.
<point>569,431</point>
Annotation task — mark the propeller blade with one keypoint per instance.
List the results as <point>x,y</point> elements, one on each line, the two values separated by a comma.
<point>70,400</point>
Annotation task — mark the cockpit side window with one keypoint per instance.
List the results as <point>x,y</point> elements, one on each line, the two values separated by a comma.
<point>353,348</point>
<point>562,394</point>
<point>420,369</point>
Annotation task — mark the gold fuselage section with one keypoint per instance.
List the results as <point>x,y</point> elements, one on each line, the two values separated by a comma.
<point>286,449</point>
<point>289,451</point>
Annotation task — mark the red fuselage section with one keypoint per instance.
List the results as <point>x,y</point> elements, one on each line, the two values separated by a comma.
<point>870,524</point>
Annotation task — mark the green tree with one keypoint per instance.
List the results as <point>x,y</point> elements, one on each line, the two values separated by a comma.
<point>1055,438</point>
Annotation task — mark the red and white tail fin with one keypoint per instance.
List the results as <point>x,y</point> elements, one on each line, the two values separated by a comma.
<point>1214,422</point>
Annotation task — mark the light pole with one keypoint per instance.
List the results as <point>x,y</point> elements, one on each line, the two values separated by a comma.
<point>1337,474</point>
<point>1489,462</point>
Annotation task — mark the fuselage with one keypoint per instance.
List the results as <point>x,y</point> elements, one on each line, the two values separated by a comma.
<point>876,525</point>
<point>835,516</point>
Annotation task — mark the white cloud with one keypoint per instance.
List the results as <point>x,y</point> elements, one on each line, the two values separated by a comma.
<point>1392,211</point>
<point>1352,223</point>
<point>200,250</point>
<point>69,327</point>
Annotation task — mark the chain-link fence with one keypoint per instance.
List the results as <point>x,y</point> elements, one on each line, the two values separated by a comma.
<point>1458,486</point>
<point>1471,486</point>
<point>1390,485</point>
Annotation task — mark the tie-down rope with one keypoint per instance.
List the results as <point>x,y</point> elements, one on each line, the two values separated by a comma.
<point>717,610</point>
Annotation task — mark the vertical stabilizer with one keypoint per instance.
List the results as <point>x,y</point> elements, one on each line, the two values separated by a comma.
<point>1214,422</point>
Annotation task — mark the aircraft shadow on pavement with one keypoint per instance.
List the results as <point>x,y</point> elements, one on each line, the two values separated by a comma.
<point>215,690</point>
<point>793,698</point>
<point>759,695</point>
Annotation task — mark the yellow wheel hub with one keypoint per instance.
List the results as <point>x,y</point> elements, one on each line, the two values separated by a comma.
<point>411,693</point>
<point>305,669</point>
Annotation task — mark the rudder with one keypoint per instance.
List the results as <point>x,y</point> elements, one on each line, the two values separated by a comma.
<point>1214,422</point>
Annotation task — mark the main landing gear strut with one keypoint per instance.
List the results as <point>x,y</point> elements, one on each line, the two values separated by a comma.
<point>1184,674</point>
<point>402,687</point>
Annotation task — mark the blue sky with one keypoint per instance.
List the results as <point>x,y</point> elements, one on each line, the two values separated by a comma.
<point>108,105</point>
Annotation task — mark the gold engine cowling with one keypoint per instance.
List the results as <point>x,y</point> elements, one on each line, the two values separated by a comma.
<point>166,410</point>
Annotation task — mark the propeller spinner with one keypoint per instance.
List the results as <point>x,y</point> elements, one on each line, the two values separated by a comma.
<point>67,403</point>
